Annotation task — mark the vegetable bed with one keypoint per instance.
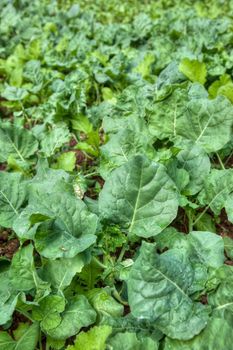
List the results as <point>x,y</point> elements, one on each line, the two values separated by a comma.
<point>116,179</point>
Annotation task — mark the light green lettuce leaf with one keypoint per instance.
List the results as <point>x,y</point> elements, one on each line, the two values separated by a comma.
<point>94,339</point>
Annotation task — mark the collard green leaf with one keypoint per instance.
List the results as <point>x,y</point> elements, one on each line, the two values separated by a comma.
<point>208,248</point>
<point>48,312</point>
<point>17,142</point>
<point>217,187</point>
<point>94,339</point>
<point>140,197</point>
<point>158,291</point>
<point>104,304</point>
<point>124,145</point>
<point>22,272</point>
<point>209,338</point>
<point>194,70</point>
<point>191,115</point>
<point>60,272</point>
<point>27,341</point>
<point>195,161</point>
<point>78,313</point>
<point>54,139</point>
<point>66,227</point>
<point>129,341</point>
<point>12,197</point>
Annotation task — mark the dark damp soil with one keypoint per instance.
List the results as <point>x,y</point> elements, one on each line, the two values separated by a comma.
<point>229,162</point>
<point>181,221</point>
<point>8,246</point>
<point>2,166</point>
<point>224,227</point>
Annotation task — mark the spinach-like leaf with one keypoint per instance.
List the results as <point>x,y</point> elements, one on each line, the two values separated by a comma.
<point>140,197</point>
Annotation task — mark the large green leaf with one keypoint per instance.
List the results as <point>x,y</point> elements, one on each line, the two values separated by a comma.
<point>217,188</point>
<point>17,142</point>
<point>125,144</point>
<point>66,227</point>
<point>49,312</point>
<point>158,289</point>
<point>94,339</point>
<point>140,197</point>
<point>195,161</point>
<point>129,341</point>
<point>78,313</point>
<point>207,248</point>
<point>54,139</point>
<point>60,272</point>
<point>27,341</point>
<point>12,197</point>
<point>217,335</point>
<point>192,115</point>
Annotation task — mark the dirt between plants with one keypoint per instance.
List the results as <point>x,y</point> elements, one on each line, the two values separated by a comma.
<point>8,247</point>
<point>224,227</point>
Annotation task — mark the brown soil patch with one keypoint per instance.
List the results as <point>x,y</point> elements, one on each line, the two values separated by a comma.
<point>8,247</point>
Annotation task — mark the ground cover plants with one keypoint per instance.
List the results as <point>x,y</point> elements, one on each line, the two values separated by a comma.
<point>116,179</point>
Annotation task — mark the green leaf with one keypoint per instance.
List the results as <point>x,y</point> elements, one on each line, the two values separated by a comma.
<point>217,188</point>
<point>27,341</point>
<point>48,312</point>
<point>60,272</point>
<point>12,197</point>
<point>94,339</point>
<point>129,341</point>
<point>54,139</point>
<point>217,335</point>
<point>205,223</point>
<point>194,70</point>
<point>208,248</point>
<point>82,123</point>
<point>12,93</point>
<point>104,303</point>
<point>22,272</point>
<point>78,313</point>
<point>158,289</point>
<point>124,145</point>
<point>195,161</point>
<point>189,113</point>
<point>69,230</point>
<point>223,86</point>
<point>140,197</point>
<point>17,142</point>
<point>66,161</point>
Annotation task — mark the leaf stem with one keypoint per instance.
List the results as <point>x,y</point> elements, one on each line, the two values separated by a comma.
<point>99,263</point>
<point>122,252</point>
<point>220,161</point>
<point>118,297</point>
<point>201,214</point>
<point>26,314</point>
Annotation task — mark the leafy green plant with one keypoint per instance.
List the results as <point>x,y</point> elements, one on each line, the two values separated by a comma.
<point>116,181</point>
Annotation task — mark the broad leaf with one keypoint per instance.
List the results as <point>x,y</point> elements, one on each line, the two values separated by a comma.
<point>192,115</point>
<point>217,187</point>
<point>17,142</point>
<point>27,341</point>
<point>94,339</point>
<point>158,288</point>
<point>12,197</point>
<point>140,197</point>
<point>78,313</point>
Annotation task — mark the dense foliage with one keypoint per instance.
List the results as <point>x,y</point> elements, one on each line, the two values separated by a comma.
<point>116,187</point>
